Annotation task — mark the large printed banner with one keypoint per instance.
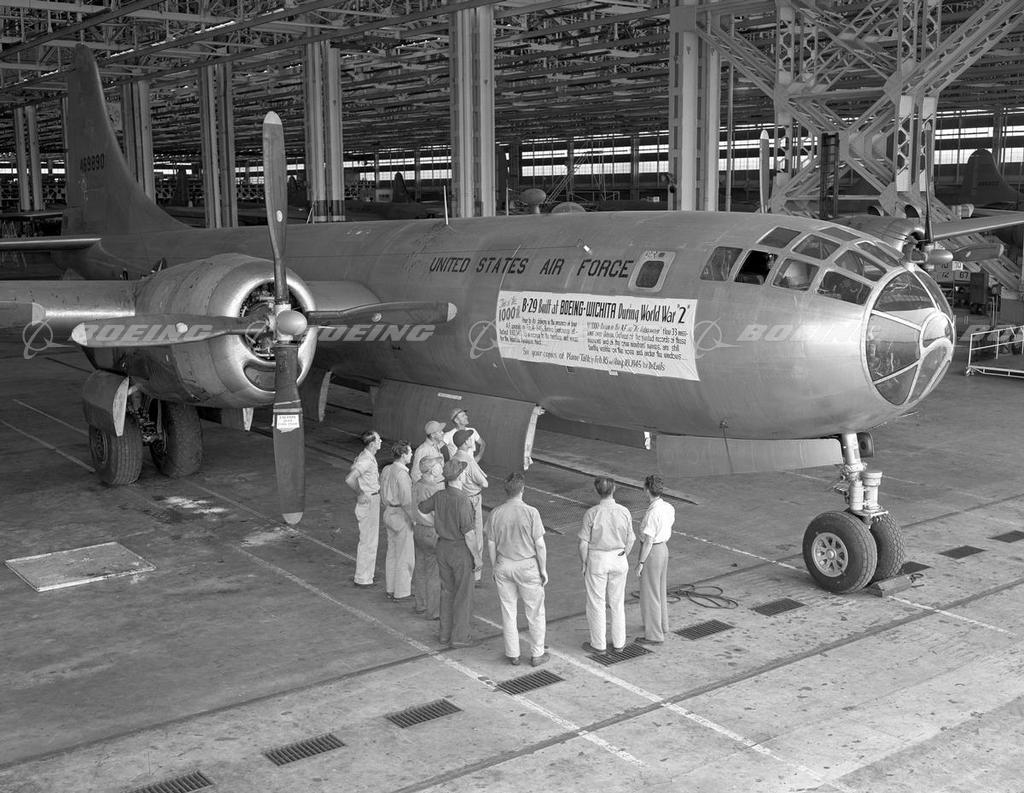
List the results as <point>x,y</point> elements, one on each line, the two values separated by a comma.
<point>652,336</point>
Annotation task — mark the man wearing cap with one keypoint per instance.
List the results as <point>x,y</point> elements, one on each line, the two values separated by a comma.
<point>364,479</point>
<point>474,480</point>
<point>433,446</point>
<point>515,545</point>
<point>396,494</point>
<point>460,420</point>
<point>605,539</point>
<point>457,556</point>
<point>426,583</point>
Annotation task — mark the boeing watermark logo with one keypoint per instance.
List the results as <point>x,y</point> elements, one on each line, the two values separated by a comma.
<point>37,338</point>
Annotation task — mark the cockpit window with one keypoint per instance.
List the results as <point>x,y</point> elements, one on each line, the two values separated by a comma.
<point>859,264</point>
<point>817,247</point>
<point>839,234</point>
<point>795,274</point>
<point>755,267</point>
<point>904,293</point>
<point>881,253</point>
<point>779,237</point>
<point>842,287</point>
<point>720,263</point>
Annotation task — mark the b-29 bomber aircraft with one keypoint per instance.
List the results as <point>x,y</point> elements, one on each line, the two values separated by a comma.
<point>742,342</point>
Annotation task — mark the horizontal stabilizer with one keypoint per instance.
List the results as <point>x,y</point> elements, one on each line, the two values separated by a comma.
<point>47,243</point>
<point>684,455</point>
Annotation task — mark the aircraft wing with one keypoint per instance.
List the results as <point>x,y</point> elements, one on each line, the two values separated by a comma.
<point>63,304</point>
<point>46,244</point>
<point>992,220</point>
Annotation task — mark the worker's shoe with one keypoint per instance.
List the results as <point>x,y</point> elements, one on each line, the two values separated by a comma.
<point>540,659</point>
<point>592,649</point>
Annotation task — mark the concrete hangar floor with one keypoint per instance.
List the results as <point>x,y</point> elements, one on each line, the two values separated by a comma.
<point>247,638</point>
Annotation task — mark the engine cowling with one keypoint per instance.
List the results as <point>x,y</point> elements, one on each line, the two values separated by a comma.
<point>228,371</point>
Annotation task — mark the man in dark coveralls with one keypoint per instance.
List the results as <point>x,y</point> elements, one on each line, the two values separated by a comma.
<point>457,555</point>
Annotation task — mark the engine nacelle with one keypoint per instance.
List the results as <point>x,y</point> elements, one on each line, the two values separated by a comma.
<point>228,371</point>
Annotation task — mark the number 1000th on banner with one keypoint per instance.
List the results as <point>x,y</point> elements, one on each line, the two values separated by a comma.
<point>624,333</point>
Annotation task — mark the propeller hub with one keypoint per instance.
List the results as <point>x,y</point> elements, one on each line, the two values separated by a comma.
<point>291,323</point>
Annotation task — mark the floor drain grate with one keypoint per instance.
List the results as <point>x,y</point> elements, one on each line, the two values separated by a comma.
<point>1010,536</point>
<point>702,629</point>
<point>519,685</point>
<point>181,784</point>
<point>617,656</point>
<point>422,713</point>
<point>302,749</point>
<point>774,607</point>
<point>961,552</point>
<point>913,567</point>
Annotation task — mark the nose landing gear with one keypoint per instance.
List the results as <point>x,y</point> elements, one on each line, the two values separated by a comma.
<point>845,551</point>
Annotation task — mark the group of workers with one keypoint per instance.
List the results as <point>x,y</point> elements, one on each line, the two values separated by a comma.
<point>436,537</point>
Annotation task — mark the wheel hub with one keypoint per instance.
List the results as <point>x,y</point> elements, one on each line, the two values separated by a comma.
<point>830,554</point>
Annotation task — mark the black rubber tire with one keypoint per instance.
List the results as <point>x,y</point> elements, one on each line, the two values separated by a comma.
<point>839,552</point>
<point>178,451</point>
<point>117,460</point>
<point>892,553</point>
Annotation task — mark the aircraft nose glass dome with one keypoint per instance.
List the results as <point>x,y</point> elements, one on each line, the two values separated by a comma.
<point>909,340</point>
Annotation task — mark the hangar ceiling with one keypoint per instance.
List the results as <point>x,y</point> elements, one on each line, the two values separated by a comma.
<point>562,69</point>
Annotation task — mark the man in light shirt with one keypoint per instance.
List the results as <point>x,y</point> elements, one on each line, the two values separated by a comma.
<point>396,494</point>
<point>460,421</point>
<point>364,479</point>
<point>433,446</point>
<point>604,542</point>
<point>515,544</point>
<point>426,582</point>
<point>473,483</point>
<point>652,569</point>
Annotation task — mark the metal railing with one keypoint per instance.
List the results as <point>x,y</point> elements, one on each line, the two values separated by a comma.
<point>997,351</point>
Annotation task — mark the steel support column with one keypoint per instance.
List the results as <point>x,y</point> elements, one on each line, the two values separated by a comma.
<point>325,167</point>
<point>471,56</point>
<point>138,134</point>
<point>216,120</point>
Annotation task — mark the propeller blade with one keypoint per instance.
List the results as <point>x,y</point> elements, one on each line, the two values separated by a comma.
<point>155,330</point>
<point>402,312</point>
<point>289,440</point>
<point>275,192</point>
<point>764,170</point>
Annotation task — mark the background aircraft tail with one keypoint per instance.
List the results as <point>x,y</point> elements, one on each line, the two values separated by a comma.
<point>102,194</point>
<point>984,186</point>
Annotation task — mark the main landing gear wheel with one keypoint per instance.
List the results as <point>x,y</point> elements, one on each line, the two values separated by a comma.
<point>178,450</point>
<point>891,550</point>
<point>117,460</point>
<point>840,552</point>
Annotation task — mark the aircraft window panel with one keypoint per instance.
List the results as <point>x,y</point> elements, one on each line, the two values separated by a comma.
<point>649,275</point>
<point>904,293</point>
<point>795,274</point>
<point>879,252</point>
<point>932,365</point>
<point>840,234</point>
<point>816,247</point>
<point>859,264</point>
<point>897,389</point>
<point>842,287</point>
<point>755,268</point>
<point>720,264</point>
<point>891,347</point>
<point>779,237</point>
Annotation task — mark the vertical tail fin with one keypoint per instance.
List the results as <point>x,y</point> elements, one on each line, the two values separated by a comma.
<point>984,185</point>
<point>102,194</point>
